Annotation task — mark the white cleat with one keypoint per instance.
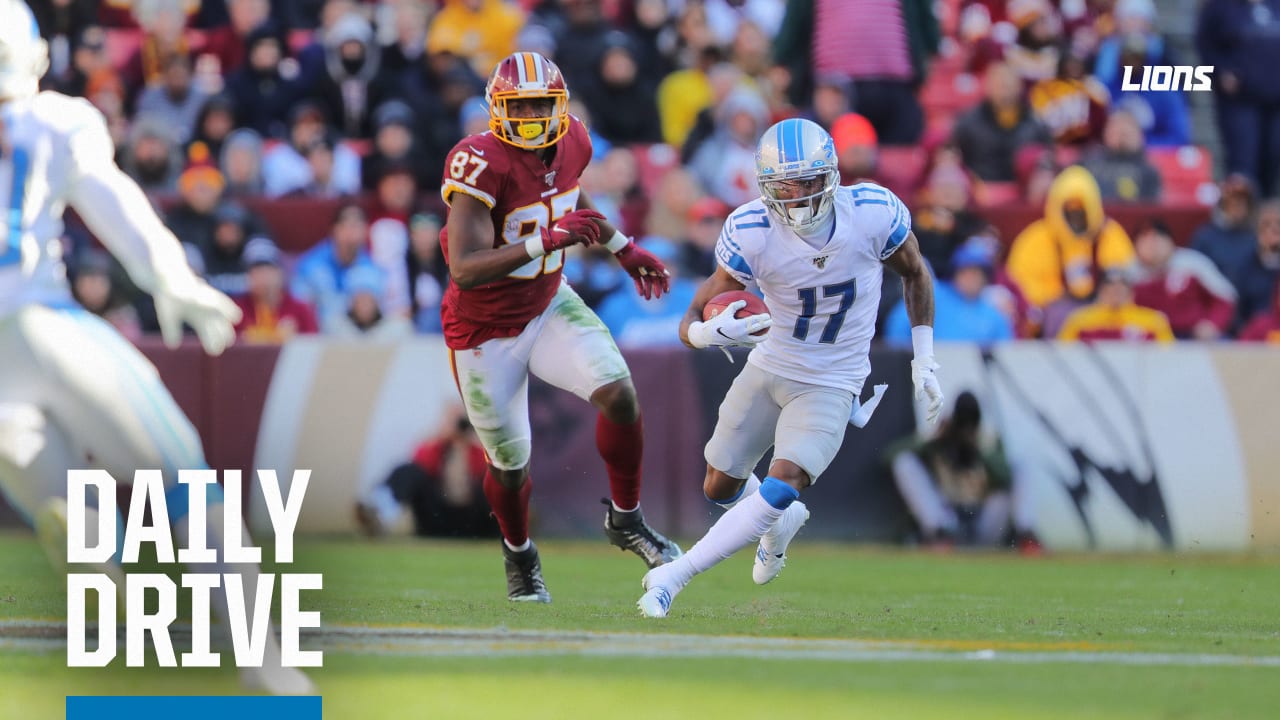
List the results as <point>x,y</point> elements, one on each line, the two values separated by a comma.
<point>656,600</point>
<point>771,554</point>
<point>51,531</point>
<point>277,681</point>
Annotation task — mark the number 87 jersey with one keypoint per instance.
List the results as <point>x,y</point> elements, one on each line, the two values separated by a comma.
<point>524,195</point>
<point>823,301</point>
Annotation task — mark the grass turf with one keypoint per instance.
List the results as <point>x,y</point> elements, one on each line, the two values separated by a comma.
<point>1159,603</point>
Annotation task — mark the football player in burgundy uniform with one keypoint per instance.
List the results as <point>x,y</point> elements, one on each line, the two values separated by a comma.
<point>514,207</point>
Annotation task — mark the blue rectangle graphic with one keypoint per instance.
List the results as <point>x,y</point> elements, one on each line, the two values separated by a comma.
<point>191,707</point>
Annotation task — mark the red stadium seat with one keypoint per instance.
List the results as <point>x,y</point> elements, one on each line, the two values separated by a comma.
<point>997,194</point>
<point>121,44</point>
<point>899,168</point>
<point>1187,174</point>
<point>653,161</point>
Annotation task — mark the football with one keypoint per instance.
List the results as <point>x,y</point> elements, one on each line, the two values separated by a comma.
<point>717,304</point>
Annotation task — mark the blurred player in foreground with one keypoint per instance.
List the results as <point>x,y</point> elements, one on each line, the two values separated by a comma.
<point>73,392</point>
<point>514,207</point>
<point>815,249</point>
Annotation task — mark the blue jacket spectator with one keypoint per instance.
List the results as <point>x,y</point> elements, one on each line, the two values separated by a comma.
<point>1255,278</point>
<point>320,277</point>
<point>962,310</point>
<point>1227,239</point>
<point>636,322</point>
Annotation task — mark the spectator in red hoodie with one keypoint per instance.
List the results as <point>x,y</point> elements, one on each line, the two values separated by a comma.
<point>1183,284</point>
<point>1265,327</point>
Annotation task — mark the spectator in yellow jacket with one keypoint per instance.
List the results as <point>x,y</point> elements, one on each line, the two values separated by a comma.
<point>1057,260</point>
<point>1115,316</point>
<point>482,31</point>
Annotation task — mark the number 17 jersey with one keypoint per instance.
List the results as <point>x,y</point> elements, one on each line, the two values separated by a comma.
<point>823,301</point>
<point>524,195</point>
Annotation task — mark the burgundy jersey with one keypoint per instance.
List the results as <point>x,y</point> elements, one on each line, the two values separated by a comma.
<point>524,196</point>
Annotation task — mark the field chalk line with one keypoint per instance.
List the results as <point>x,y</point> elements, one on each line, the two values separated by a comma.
<point>49,636</point>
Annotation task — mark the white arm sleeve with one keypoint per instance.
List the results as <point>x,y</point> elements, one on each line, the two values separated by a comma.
<point>118,212</point>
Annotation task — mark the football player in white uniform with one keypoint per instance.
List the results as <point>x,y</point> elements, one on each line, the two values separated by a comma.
<point>73,392</point>
<point>815,250</point>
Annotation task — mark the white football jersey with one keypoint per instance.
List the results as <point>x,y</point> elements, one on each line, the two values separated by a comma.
<point>823,302</point>
<point>46,142</point>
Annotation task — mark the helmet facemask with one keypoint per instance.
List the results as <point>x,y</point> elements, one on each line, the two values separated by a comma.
<point>533,132</point>
<point>800,201</point>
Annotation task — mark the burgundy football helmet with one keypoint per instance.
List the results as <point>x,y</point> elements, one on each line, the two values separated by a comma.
<point>527,75</point>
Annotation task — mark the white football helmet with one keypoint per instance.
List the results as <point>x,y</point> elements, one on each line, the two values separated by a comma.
<point>790,155</point>
<point>24,55</point>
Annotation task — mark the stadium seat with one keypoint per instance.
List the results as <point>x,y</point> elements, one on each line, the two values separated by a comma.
<point>997,194</point>
<point>1186,173</point>
<point>121,44</point>
<point>653,161</point>
<point>900,168</point>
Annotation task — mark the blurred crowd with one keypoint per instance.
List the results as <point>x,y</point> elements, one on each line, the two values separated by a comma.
<point>959,106</point>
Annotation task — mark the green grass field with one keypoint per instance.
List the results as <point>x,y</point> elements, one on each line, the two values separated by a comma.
<point>843,633</point>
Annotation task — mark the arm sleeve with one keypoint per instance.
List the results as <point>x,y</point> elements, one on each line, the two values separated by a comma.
<point>730,257</point>
<point>117,211</point>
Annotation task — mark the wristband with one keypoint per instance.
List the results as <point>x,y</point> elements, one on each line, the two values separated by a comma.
<point>617,242</point>
<point>534,247</point>
<point>922,340</point>
<point>695,334</point>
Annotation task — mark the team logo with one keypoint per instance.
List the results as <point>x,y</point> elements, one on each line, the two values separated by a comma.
<point>820,262</point>
<point>550,178</point>
<point>1190,78</point>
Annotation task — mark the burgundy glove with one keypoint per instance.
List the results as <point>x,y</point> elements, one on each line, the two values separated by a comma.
<point>576,228</point>
<point>650,275</point>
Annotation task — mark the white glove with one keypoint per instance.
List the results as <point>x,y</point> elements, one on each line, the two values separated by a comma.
<point>926,384</point>
<point>192,301</point>
<point>725,330</point>
<point>922,370</point>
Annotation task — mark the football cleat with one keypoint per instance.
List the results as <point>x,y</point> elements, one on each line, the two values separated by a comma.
<point>51,530</point>
<point>656,601</point>
<point>524,575</point>
<point>771,554</point>
<point>629,531</point>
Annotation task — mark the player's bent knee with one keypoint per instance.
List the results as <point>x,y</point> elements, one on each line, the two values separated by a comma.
<point>719,487</point>
<point>790,473</point>
<point>617,401</point>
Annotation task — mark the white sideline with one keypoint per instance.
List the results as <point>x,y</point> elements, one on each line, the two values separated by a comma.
<point>49,636</point>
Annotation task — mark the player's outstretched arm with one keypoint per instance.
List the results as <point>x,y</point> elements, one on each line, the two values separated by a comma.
<point>917,291</point>
<point>119,214</point>
<point>648,272</point>
<point>474,261</point>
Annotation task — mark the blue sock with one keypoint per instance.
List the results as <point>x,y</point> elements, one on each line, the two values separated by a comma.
<point>777,493</point>
<point>178,499</point>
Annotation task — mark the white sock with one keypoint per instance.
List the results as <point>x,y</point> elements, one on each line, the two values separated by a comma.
<point>518,548</point>
<point>749,488</point>
<point>742,525</point>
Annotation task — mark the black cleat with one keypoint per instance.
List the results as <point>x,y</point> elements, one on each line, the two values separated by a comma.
<point>524,575</point>
<point>629,531</point>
